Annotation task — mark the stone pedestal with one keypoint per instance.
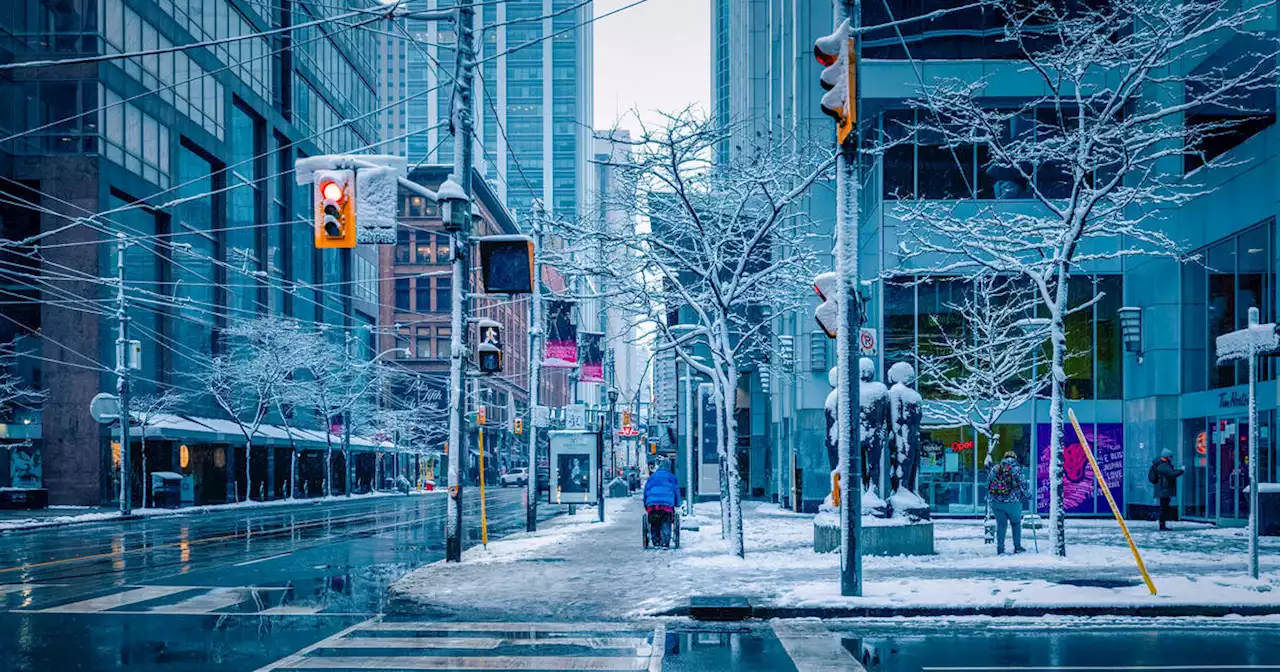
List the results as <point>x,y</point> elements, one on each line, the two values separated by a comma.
<point>880,537</point>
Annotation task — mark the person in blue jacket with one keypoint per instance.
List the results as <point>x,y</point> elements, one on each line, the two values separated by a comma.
<point>661,497</point>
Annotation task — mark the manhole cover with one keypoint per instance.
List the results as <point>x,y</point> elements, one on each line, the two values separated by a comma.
<point>1099,583</point>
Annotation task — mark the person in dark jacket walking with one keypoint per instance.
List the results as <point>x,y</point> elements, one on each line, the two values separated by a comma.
<point>1006,488</point>
<point>1165,477</point>
<point>661,497</point>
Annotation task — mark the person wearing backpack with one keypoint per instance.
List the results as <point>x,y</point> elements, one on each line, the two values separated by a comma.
<point>1006,488</point>
<point>1164,476</point>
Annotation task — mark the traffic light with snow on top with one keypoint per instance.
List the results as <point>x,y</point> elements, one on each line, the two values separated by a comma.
<point>335,209</point>
<point>839,78</point>
<point>828,312</point>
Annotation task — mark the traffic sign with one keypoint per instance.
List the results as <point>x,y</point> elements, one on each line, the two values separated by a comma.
<point>867,341</point>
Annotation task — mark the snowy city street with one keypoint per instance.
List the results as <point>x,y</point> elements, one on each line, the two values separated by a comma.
<point>812,335</point>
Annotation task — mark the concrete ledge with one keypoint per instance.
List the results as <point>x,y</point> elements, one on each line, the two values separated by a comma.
<point>765,612</point>
<point>913,539</point>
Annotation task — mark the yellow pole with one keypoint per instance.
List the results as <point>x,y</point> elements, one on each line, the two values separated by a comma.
<point>1114,509</point>
<point>484,524</point>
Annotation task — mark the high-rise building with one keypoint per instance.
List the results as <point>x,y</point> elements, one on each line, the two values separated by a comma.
<point>189,154</point>
<point>533,101</point>
<point>1171,395</point>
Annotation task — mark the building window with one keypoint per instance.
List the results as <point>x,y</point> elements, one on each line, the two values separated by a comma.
<point>422,248</point>
<point>423,348</point>
<point>1250,112</point>
<point>135,140</point>
<point>444,295</point>
<point>403,244</point>
<point>442,248</point>
<point>422,295</point>
<point>443,335</point>
<point>402,294</point>
<point>1231,276</point>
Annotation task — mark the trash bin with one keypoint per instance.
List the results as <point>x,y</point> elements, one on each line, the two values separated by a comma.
<point>1269,510</point>
<point>166,489</point>
<point>618,488</point>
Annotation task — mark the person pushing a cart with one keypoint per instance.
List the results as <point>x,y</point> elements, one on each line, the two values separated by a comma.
<point>661,497</point>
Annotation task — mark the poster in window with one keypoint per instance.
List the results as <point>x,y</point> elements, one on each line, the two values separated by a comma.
<point>562,336</point>
<point>1080,494</point>
<point>573,459</point>
<point>591,347</point>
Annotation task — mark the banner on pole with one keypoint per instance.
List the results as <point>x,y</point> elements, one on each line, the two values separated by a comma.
<point>591,348</point>
<point>562,336</point>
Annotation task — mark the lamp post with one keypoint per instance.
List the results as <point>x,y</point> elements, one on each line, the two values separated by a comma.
<point>613,448</point>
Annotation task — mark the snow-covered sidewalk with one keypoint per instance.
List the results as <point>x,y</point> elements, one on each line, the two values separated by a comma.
<point>58,516</point>
<point>575,567</point>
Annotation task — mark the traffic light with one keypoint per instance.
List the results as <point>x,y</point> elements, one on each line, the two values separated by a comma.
<point>839,77</point>
<point>506,264</point>
<point>335,209</point>
<point>626,418</point>
<point>489,352</point>
<point>827,313</point>
<point>517,426</point>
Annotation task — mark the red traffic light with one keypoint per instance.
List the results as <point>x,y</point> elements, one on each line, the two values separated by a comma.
<point>332,191</point>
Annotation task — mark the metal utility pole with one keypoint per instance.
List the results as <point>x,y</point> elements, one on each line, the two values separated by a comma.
<point>689,452</point>
<point>850,320</point>
<point>122,376</point>
<point>462,123</point>
<point>535,373</point>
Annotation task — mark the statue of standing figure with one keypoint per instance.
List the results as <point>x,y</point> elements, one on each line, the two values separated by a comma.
<point>906,410</point>
<point>874,432</point>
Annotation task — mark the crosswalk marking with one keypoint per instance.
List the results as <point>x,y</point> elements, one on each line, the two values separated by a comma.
<point>639,645</point>
<point>380,645</point>
<point>115,600</point>
<point>291,610</point>
<point>814,648</point>
<point>509,627</point>
<point>470,663</point>
<point>213,600</point>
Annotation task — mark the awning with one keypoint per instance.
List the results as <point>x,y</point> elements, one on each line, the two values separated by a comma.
<point>217,430</point>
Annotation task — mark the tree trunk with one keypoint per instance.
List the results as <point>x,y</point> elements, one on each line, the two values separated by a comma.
<point>731,491</point>
<point>293,472</point>
<point>328,466</point>
<point>1057,505</point>
<point>145,479</point>
<point>248,478</point>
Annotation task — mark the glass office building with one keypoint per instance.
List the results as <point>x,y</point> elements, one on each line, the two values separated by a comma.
<point>1174,396</point>
<point>190,153</point>
<point>532,103</point>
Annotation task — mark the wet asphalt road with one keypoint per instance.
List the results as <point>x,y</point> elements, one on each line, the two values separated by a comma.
<point>225,590</point>
<point>303,587</point>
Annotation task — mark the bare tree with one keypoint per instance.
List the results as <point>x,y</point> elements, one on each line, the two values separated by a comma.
<point>721,242</point>
<point>14,393</point>
<point>333,381</point>
<point>148,410</point>
<point>246,383</point>
<point>1124,95</point>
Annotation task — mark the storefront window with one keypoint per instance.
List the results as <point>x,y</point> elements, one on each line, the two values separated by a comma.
<point>1079,363</point>
<point>1194,336</point>
<point>1193,490</point>
<point>1108,348</point>
<point>947,470</point>
<point>899,323</point>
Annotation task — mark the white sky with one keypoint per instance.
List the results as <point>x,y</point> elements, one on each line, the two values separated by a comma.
<point>654,56</point>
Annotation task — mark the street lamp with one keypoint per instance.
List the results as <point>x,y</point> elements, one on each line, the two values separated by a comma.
<point>1131,330</point>
<point>613,448</point>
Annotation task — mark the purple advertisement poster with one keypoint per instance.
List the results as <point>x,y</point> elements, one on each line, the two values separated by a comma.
<point>562,336</point>
<point>591,349</point>
<point>1080,493</point>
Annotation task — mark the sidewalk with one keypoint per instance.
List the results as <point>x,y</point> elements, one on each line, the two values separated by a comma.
<point>575,567</point>
<point>59,516</point>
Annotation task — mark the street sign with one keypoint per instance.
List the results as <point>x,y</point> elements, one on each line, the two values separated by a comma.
<point>105,408</point>
<point>867,341</point>
<point>573,467</point>
<point>541,416</point>
<point>575,416</point>
<point>480,415</point>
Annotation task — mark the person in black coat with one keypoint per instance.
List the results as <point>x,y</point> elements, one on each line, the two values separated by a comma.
<point>1165,477</point>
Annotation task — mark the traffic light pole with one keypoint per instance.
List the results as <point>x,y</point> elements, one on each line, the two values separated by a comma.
<point>462,123</point>
<point>847,175</point>
<point>535,374</point>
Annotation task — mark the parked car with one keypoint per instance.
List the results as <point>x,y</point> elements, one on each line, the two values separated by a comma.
<point>516,477</point>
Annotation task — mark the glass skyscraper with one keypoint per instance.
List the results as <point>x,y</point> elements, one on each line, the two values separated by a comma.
<point>533,99</point>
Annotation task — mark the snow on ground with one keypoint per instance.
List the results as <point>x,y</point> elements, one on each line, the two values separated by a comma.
<point>575,567</point>
<point>95,515</point>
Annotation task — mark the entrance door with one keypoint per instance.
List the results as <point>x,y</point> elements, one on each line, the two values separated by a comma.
<point>1232,466</point>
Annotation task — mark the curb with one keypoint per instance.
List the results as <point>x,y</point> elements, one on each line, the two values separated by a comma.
<point>1029,611</point>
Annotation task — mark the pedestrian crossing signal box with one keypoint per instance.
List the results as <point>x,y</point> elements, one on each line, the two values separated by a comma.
<point>506,264</point>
